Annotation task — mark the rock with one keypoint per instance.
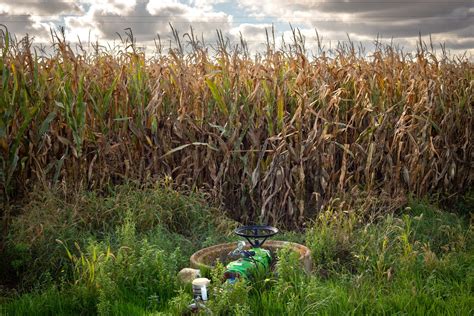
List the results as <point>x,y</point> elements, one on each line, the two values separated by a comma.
<point>187,275</point>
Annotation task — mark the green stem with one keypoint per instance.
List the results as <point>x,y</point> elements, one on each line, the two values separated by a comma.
<point>5,219</point>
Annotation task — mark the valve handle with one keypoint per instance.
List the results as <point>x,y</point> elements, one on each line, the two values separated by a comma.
<point>256,235</point>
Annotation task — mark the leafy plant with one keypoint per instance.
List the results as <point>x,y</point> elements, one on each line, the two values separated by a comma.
<point>275,138</point>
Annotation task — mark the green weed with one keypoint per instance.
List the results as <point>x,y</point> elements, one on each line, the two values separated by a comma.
<point>417,261</point>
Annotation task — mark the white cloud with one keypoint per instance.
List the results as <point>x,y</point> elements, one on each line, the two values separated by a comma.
<point>450,22</point>
<point>253,34</point>
<point>39,7</point>
<point>35,17</point>
<point>146,19</point>
<point>119,7</point>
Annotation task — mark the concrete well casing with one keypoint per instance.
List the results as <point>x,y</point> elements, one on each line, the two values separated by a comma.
<point>206,257</point>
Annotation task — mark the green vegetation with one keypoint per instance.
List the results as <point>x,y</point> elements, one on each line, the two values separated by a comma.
<point>118,254</point>
<point>334,145</point>
<point>272,137</point>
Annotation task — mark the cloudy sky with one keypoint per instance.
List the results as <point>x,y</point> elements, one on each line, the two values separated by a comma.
<point>447,21</point>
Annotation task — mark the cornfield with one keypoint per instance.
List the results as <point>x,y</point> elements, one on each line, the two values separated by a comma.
<point>272,137</point>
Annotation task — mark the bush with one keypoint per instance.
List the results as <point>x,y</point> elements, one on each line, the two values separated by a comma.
<point>86,222</point>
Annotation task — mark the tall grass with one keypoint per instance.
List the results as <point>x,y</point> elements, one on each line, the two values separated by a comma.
<point>415,261</point>
<point>272,137</point>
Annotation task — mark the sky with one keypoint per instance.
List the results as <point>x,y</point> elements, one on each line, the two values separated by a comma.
<point>450,22</point>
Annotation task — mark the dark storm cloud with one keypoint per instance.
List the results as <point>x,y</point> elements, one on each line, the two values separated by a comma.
<point>460,44</point>
<point>407,28</point>
<point>447,21</point>
<point>400,8</point>
<point>366,17</point>
<point>400,18</point>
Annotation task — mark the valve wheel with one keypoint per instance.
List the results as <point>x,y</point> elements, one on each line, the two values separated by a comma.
<point>256,235</point>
